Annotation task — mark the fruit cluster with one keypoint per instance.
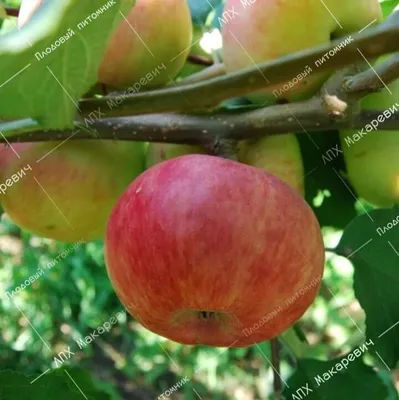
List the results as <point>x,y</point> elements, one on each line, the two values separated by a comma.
<point>201,249</point>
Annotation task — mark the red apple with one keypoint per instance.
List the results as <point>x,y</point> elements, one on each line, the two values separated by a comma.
<point>202,249</point>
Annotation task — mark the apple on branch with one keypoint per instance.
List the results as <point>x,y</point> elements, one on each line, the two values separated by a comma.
<point>269,29</point>
<point>278,154</point>
<point>202,249</point>
<point>372,158</point>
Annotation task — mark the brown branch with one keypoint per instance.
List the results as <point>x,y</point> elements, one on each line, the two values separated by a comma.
<point>205,130</point>
<point>370,44</point>
<point>334,108</point>
<point>374,80</point>
<point>331,109</point>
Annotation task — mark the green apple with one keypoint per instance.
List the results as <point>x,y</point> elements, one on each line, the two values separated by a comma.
<point>66,191</point>
<point>279,155</point>
<point>372,158</point>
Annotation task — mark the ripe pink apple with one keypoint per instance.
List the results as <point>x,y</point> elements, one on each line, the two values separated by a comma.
<point>150,46</point>
<point>257,31</point>
<point>67,191</point>
<point>202,249</point>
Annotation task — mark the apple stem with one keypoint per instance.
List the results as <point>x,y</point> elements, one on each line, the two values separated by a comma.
<point>199,60</point>
<point>277,386</point>
<point>11,11</point>
<point>337,251</point>
<point>225,148</point>
<point>206,314</point>
<point>330,250</point>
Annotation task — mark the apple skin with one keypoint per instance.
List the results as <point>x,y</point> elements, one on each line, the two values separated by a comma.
<point>158,152</point>
<point>166,30</point>
<point>163,27</point>
<point>280,155</point>
<point>269,29</point>
<point>68,195</point>
<point>372,161</point>
<point>199,234</point>
<point>7,155</point>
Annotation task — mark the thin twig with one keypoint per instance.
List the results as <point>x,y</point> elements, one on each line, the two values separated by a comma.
<point>199,60</point>
<point>375,79</point>
<point>277,384</point>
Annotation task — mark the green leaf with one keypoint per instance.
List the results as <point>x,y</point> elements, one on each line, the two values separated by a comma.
<point>200,9</point>
<point>372,243</point>
<point>386,377</point>
<point>388,7</point>
<point>357,382</point>
<point>295,339</point>
<point>324,187</point>
<point>47,87</point>
<point>60,384</point>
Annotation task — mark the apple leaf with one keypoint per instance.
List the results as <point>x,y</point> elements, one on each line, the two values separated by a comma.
<point>60,384</point>
<point>324,186</point>
<point>371,242</point>
<point>358,382</point>
<point>49,63</point>
<point>296,340</point>
<point>388,6</point>
<point>200,9</point>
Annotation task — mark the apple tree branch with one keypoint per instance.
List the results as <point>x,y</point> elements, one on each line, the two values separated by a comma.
<point>159,116</point>
<point>208,94</point>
